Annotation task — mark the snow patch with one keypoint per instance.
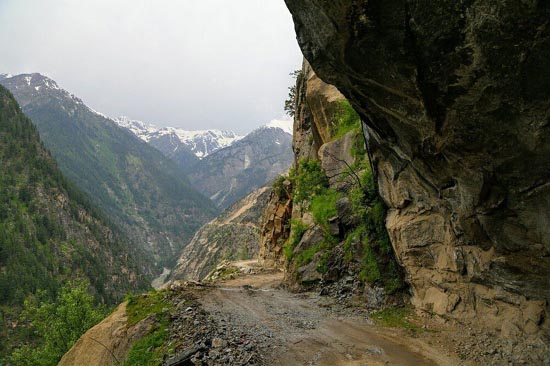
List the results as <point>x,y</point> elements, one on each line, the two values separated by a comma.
<point>78,101</point>
<point>51,84</point>
<point>201,142</point>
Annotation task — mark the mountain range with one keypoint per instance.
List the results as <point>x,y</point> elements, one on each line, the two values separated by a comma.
<point>144,193</point>
<point>252,162</point>
<point>222,165</point>
<point>184,147</point>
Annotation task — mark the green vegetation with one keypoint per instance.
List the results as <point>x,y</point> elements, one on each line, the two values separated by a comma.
<point>297,231</point>
<point>325,247</point>
<point>395,318</point>
<point>306,256</point>
<point>370,272</point>
<point>378,263</point>
<point>290,102</point>
<point>312,187</point>
<point>367,243</point>
<point>323,207</point>
<point>57,324</point>
<point>309,180</point>
<point>141,306</point>
<point>150,349</point>
<point>347,120</point>
<point>142,192</point>
<point>279,188</point>
<point>49,232</point>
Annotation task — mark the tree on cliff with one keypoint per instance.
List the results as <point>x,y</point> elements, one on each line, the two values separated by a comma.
<point>290,102</point>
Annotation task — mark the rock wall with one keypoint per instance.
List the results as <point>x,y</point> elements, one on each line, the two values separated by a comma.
<point>455,100</point>
<point>274,225</point>
<point>316,102</point>
<point>232,235</point>
<point>314,108</point>
<point>311,226</point>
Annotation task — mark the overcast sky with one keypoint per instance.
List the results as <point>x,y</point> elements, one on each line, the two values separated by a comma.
<point>194,64</point>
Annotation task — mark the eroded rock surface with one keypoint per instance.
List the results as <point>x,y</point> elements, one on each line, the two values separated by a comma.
<point>232,235</point>
<point>108,342</point>
<point>274,226</point>
<point>455,99</point>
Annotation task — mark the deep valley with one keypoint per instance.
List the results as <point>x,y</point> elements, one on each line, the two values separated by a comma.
<point>398,214</point>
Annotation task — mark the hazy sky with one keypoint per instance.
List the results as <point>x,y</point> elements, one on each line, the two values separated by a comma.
<point>189,63</point>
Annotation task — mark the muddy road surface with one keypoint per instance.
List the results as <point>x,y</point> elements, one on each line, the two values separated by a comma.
<point>299,329</point>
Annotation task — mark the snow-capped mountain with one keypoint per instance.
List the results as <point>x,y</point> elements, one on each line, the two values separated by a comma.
<point>201,143</point>
<point>231,173</point>
<point>29,87</point>
<point>221,164</point>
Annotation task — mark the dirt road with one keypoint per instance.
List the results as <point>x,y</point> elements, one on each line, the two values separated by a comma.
<point>295,329</point>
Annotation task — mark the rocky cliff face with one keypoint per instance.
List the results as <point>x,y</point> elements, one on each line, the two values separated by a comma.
<point>324,221</point>
<point>275,224</point>
<point>232,235</point>
<point>454,97</point>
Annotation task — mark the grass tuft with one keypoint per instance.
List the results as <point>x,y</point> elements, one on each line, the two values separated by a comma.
<point>151,349</point>
<point>395,318</point>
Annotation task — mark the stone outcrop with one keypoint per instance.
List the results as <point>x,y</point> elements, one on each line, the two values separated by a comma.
<point>316,103</point>
<point>232,235</point>
<point>107,343</point>
<point>311,225</point>
<point>275,226</point>
<point>336,160</point>
<point>455,100</point>
<point>315,107</point>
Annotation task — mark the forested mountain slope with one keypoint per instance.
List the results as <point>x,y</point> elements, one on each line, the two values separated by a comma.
<point>142,191</point>
<point>49,232</point>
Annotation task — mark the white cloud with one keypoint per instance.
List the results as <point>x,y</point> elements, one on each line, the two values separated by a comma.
<point>286,124</point>
<point>187,63</point>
